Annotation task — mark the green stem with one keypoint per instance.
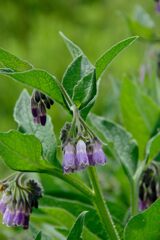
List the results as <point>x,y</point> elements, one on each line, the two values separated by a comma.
<point>102,208</point>
<point>78,184</point>
<point>134,198</point>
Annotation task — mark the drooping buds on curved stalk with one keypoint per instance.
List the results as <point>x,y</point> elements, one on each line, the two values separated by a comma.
<point>81,148</point>
<point>39,103</point>
<point>149,188</point>
<point>17,202</point>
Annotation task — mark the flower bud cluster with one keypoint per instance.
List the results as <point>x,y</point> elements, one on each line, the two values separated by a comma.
<point>80,151</point>
<point>149,189</point>
<point>17,202</point>
<point>39,103</point>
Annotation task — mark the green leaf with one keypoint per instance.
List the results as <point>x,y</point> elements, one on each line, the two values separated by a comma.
<point>21,152</point>
<point>77,228</point>
<point>106,58</point>
<point>92,220</point>
<point>85,90</point>
<point>145,225</point>
<point>72,47</point>
<point>13,62</point>
<point>79,79</point>
<point>152,148</point>
<point>120,143</point>
<point>38,237</point>
<point>140,114</point>
<point>24,118</point>
<point>80,82</point>
<point>59,218</point>
<point>40,80</point>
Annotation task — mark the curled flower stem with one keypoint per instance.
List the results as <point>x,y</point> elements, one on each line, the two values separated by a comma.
<point>101,207</point>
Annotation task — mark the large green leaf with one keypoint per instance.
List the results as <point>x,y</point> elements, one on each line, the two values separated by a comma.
<point>12,62</point>
<point>61,219</point>
<point>109,55</point>
<point>92,220</point>
<point>76,231</point>
<point>21,152</point>
<point>145,225</point>
<point>24,118</point>
<point>40,80</point>
<point>152,148</point>
<point>140,114</point>
<point>120,143</point>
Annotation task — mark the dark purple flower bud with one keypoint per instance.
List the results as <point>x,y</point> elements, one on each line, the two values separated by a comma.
<point>42,114</point>
<point>47,104</point>
<point>51,101</point>
<point>69,164</point>
<point>149,188</point>
<point>98,157</point>
<point>90,153</point>
<point>81,155</point>
<point>37,96</point>
<point>34,107</point>
<point>26,221</point>
<point>43,96</point>
<point>19,217</point>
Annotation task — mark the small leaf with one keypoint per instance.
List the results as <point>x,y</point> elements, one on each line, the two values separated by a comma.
<point>21,152</point>
<point>85,90</point>
<point>145,225</point>
<point>24,118</point>
<point>106,58</point>
<point>72,47</point>
<point>120,143</point>
<point>80,82</point>
<point>152,148</point>
<point>139,113</point>
<point>77,228</point>
<point>13,62</point>
<point>39,236</point>
<point>40,80</point>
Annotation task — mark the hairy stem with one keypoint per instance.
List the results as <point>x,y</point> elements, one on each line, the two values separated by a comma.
<point>134,198</point>
<point>101,207</point>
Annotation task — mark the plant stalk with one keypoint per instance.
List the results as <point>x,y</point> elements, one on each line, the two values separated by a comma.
<point>101,207</point>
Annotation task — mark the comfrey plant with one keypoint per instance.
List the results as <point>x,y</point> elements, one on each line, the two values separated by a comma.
<point>84,141</point>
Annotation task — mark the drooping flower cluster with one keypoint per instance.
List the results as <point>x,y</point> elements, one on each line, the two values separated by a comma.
<point>17,202</point>
<point>39,103</point>
<point>149,189</point>
<point>80,151</point>
<point>157,5</point>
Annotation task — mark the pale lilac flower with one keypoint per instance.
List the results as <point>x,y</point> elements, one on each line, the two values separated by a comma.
<point>81,155</point>
<point>98,157</point>
<point>69,164</point>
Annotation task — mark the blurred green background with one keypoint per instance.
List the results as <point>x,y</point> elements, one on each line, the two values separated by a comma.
<point>29,29</point>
